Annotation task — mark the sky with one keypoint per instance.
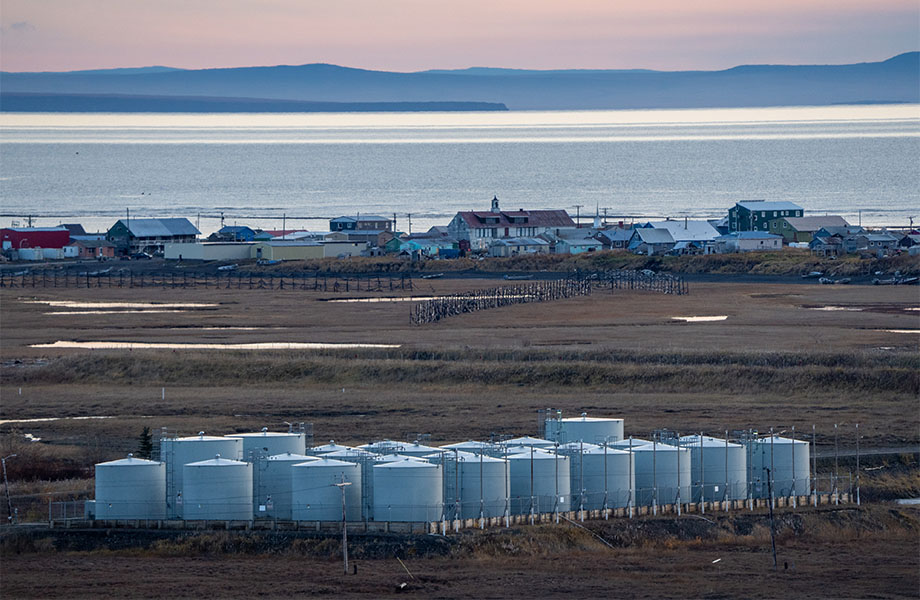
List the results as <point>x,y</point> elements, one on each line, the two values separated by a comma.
<point>413,35</point>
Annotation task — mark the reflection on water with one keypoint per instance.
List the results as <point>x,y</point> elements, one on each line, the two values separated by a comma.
<point>104,305</point>
<point>701,319</point>
<point>209,346</point>
<point>46,419</point>
<point>114,312</point>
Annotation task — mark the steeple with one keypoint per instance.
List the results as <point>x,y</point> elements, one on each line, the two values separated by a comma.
<point>495,208</point>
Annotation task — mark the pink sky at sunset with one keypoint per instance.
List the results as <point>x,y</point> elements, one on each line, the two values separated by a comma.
<point>410,35</point>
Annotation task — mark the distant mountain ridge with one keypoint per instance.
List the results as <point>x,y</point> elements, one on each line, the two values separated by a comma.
<point>896,80</point>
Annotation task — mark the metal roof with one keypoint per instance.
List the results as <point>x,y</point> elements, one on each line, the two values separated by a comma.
<point>755,205</point>
<point>535,218</point>
<point>816,223</point>
<point>687,231</point>
<point>651,235</point>
<point>160,227</point>
<point>748,235</point>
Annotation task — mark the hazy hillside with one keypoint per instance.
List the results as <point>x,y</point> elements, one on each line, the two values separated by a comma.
<point>894,80</point>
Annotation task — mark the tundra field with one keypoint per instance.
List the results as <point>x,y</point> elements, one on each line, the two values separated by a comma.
<point>790,354</point>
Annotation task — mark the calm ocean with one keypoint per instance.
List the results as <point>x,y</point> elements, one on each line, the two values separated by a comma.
<point>255,168</point>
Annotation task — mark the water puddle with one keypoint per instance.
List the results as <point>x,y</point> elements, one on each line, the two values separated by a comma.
<point>393,299</point>
<point>115,312</point>
<point>48,419</point>
<point>834,308</point>
<point>31,437</point>
<point>909,501</point>
<point>417,298</point>
<point>899,330</point>
<point>208,346</point>
<point>701,319</point>
<point>110,305</point>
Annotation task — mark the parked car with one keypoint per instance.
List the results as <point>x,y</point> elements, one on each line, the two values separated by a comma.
<point>141,256</point>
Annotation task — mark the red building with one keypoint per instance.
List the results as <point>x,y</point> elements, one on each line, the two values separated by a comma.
<point>14,238</point>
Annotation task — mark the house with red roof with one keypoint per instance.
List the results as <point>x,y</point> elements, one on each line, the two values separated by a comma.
<point>481,228</point>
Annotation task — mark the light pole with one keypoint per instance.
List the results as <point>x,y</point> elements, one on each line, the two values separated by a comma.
<point>342,486</point>
<point>6,482</point>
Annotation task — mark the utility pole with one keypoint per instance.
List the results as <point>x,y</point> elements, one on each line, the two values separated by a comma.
<point>772,526</point>
<point>6,482</point>
<point>342,487</point>
<point>577,213</point>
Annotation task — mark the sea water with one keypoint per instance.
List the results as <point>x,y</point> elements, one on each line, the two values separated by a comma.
<point>262,170</point>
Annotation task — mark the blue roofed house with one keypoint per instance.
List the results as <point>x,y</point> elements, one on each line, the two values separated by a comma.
<point>755,215</point>
<point>233,233</point>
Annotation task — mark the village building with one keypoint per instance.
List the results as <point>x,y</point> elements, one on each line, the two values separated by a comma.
<point>98,249</point>
<point>746,241</point>
<point>755,215</point>
<point>573,241</point>
<point>233,233</point>
<point>686,230</point>
<point>361,223</point>
<point>650,241</point>
<point>150,235</point>
<point>16,238</point>
<point>615,238</point>
<point>480,228</point>
<point>802,229</point>
<point>505,247</point>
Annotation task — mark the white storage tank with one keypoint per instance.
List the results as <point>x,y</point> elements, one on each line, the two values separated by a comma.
<point>477,485</point>
<point>471,446</point>
<point>595,430</point>
<point>326,448</point>
<point>314,495</point>
<point>661,467</point>
<point>388,458</point>
<point>417,449</point>
<point>530,441</point>
<point>723,466</point>
<point>218,489</point>
<point>272,484</point>
<point>384,447</point>
<point>791,467</point>
<point>177,452</point>
<point>551,482</point>
<point>351,455</point>
<point>270,443</point>
<point>608,476</point>
<point>408,491</point>
<point>131,488</point>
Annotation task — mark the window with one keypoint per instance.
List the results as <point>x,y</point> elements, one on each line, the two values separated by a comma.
<point>774,213</point>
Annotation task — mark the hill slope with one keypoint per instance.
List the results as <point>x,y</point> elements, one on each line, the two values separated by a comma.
<point>893,80</point>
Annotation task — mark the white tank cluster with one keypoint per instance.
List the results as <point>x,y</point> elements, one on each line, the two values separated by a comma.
<point>588,464</point>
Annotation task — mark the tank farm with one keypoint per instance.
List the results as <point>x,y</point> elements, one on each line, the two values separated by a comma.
<point>578,468</point>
